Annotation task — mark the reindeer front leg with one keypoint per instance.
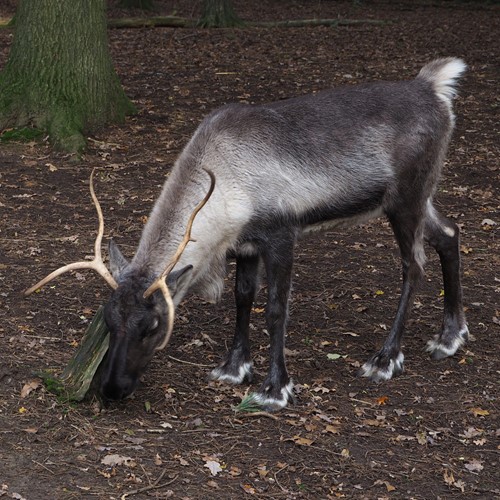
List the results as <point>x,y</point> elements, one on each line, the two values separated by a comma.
<point>237,367</point>
<point>276,390</point>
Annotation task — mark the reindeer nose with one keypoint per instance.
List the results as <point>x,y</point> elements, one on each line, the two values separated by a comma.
<point>118,389</point>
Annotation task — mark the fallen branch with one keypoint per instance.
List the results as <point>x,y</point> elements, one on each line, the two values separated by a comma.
<point>181,22</point>
<point>153,22</point>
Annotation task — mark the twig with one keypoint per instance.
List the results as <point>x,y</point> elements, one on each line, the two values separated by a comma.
<point>153,486</point>
<point>189,362</point>
<point>276,479</point>
<point>258,414</point>
<point>41,465</point>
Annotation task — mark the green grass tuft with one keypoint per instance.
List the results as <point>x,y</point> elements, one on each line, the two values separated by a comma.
<point>249,404</point>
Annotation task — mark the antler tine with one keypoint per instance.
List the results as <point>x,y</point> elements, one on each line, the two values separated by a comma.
<point>96,264</point>
<point>160,282</point>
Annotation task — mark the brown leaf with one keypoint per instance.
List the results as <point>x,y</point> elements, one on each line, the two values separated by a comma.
<point>33,385</point>
<point>332,429</point>
<point>421,438</point>
<point>479,412</point>
<point>247,488</point>
<point>448,477</point>
<point>301,441</point>
<point>388,485</point>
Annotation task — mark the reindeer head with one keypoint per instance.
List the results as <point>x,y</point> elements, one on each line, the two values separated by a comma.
<point>140,312</point>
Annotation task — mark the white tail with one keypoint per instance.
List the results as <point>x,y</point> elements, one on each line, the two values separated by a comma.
<point>443,74</point>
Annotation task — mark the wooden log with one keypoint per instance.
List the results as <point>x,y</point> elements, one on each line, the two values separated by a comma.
<point>76,379</point>
<point>181,22</point>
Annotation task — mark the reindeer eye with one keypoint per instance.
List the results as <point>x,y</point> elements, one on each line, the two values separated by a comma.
<point>154,324</point>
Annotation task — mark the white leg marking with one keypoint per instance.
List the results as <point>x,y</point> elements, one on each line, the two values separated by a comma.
<point>274,403</point>
<point>244,370</point>
<point>434,345</point>
<point>371,370</point>
<point>449,231</point>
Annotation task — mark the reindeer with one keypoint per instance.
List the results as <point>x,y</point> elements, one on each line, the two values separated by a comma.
<point>278,170</point>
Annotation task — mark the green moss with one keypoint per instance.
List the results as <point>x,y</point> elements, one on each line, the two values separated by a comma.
<point>24,134</point>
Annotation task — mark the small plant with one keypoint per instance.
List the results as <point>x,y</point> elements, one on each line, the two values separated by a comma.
<point>249,404</point>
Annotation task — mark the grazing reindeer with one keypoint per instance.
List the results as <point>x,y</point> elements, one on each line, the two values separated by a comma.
<point>317,161</point>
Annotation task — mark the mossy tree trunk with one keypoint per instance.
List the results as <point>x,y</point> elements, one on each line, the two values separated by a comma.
<point>218,14</point>
<point>59,76</point>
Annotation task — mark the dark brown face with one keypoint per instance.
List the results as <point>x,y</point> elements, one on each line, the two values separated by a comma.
<point>137,327</point>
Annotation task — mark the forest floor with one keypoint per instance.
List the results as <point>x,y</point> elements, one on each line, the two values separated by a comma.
<point>433,432</point>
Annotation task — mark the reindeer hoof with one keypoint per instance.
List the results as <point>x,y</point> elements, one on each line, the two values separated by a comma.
<point>266,400</point>
<point>440,349</point>
<point>233,374</point>
<point>381,368</point>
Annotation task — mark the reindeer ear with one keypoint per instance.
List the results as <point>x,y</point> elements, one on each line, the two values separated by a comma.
<point>178,283</point>
<point>117,262</point>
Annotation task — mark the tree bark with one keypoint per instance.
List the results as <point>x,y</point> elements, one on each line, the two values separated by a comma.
<point>218,14</point>
<point>59,76</point>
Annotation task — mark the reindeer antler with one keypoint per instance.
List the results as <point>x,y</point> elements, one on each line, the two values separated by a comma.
<point>96,264</point>
<point>160,282</point>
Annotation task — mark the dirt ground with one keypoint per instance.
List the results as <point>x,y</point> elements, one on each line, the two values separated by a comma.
<point>431,433</point>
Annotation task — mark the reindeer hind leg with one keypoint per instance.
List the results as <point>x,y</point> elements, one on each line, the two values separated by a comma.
<point>443,235</point>
<point>388,362</point>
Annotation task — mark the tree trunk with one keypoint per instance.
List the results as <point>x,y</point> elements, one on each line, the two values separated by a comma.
<point>59,76</point>
<point>218,14</point>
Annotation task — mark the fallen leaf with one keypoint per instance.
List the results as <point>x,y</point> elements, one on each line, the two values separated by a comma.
<point>247,488</point>
<point>448,477</point>
<point>474,465</point>
<point>383,400</point>
<point>262,470</point>
<point>334,356</point>
<point>332,429</point>
<point>373,422</point>
<point>302,441</point>
<point>234,471</point>
<point>114,460</point>
<point>33,385</point>
<point>479,412</point>
<point>400,437</point>
<point>421,438</point>
<point>388,485</point>
<point>213,466</point>
<point>460,485</point>
<point>471,432</point>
